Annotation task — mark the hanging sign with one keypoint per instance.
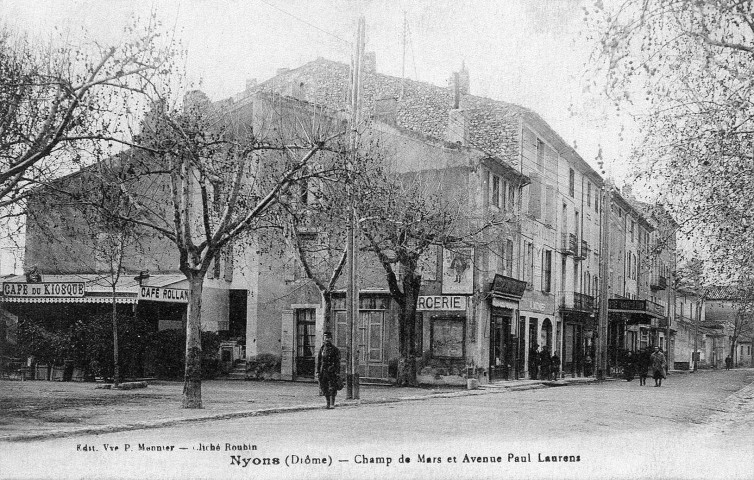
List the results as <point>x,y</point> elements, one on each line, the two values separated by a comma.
<point>161,294</point>
<point>48,289</point>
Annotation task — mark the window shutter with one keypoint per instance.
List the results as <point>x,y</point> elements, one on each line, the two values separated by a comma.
<point>535,196</point>
<point>286,343</point>
<point>550,205</point>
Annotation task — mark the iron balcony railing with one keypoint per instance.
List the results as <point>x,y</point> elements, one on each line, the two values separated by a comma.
<point>658,282</point>
<point>569,244</point>
<point>576,301</point>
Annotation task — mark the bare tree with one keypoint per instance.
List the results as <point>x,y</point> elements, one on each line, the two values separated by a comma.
<point>402,218</point>
<point>684,69</point>
<point>208,175</point>
<point>60,102</point>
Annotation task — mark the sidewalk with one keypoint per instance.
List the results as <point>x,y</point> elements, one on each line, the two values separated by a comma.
<point>41,409</point>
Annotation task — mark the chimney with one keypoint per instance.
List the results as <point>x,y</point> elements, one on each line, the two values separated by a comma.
<point>463,80</point>
<point>457,128</point>
<point>456,91</point>
<point>281,71</point>
<point>250,83</point>
<point>386,109</point>
<point>370,62</point>
<point>628,192</point>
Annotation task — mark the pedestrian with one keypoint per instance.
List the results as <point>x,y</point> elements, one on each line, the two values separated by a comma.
<point>728,362</point>
<point>533,362</point>
<point>629,366</point>
<point>658,366</point>
<point>555,365</point>
<point>328,369</point>
<point>544,364</point>
<point>643,365</point>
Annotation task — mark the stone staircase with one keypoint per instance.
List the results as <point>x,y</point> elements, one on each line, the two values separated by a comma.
<point>238,372</point>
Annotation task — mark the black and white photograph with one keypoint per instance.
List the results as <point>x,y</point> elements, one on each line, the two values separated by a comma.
<point>377,239</point>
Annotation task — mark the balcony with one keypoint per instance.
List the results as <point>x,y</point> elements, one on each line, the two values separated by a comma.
<point>569,244</point>
<point>658,282</point>
<point>644,312</point>
<point>583,252</point>
<point>575,301</point>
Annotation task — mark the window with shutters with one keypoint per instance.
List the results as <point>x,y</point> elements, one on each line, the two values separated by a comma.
<point>535,196</point>
<point>588,194</point>
<point>496,191</point>
<point>509,257</point>
<point>546,271</point>
<point>550,205</point>
<point>511,197</point>
<point>529,265</point>
<point>571,182</point>
<point>540,155</point>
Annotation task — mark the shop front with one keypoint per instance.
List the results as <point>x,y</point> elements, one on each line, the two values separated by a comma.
<point>632,326</point>
<point>577,312</point>
<point>76,310</point>
<point>506,358</point>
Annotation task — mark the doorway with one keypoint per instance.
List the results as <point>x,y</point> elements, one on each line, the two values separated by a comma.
<point>305,337</point>
<point>501,346</point>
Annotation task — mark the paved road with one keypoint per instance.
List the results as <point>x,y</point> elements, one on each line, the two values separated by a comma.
<point>695,426</point>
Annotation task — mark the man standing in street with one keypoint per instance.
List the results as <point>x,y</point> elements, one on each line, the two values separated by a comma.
<point>658,366</point>
<point>328,369</point>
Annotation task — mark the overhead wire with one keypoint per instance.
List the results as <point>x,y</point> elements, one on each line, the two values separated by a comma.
<point>307,23</point>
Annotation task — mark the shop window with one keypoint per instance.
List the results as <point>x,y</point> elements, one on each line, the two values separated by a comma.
<point>447,337</point>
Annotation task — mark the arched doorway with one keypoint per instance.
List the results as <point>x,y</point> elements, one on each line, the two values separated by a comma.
<point>546,337</point>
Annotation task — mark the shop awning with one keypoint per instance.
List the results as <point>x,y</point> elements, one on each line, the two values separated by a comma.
<point>94,288</point>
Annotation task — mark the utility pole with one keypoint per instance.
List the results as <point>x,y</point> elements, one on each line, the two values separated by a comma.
<point>352,292</point>
<point>601,362</point>
<point>403,63</point>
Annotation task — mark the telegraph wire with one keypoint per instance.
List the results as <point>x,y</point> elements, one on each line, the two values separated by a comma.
<point>306,22</point>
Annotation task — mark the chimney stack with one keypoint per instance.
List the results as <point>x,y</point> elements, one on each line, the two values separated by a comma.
<point>281,71</point>
<point>250,83</point>
<point>370,62</point>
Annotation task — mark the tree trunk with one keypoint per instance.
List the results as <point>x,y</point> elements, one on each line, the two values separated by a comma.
<point>327,305</point>
<point>407,324</point>
<point>116,369</point>
<point>192,385</point>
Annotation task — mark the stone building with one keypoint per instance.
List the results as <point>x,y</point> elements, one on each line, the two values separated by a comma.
<point>532,285</point>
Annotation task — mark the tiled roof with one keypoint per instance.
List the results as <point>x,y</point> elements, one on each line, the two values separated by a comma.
<point>492,126</point>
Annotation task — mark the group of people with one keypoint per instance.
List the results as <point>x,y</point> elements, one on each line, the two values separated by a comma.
<point>542,365</point>
<point>649,361</point>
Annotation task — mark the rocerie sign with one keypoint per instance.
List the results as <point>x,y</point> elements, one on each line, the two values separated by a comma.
<point>441,302</point>
<point>51,289</point>
<point>161,294</point>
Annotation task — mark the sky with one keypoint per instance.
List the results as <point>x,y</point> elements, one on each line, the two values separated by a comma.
<point>528,52</point>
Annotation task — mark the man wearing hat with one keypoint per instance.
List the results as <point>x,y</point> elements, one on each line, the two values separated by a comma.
<point>328,369</point>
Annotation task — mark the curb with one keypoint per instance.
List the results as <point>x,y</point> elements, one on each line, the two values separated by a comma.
<point>102,429</point>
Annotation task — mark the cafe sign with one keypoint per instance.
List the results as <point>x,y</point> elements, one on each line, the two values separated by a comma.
<point>162,294</point>
<point>47,289</point>
<point>441,302</point>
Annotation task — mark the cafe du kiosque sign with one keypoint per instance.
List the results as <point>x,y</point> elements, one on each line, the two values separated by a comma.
<point>44,290</point>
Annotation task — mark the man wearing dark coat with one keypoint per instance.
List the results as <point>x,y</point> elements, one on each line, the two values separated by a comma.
<point>328,369</point>
<point>533,362</point>
<point>643,365</point>
<point>658,366</point>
